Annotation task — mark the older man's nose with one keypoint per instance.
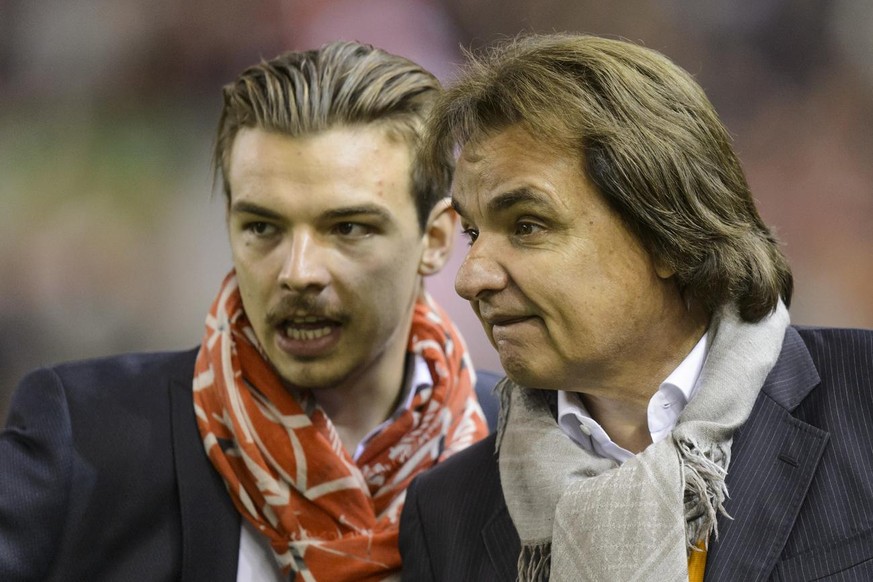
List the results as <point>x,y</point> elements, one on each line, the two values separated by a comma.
<point>479,274</point>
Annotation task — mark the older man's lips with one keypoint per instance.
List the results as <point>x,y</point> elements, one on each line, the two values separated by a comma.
<point>506,327</point>
<point>507,321</point>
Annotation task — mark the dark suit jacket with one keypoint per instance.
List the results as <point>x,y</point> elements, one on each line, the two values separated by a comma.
<point>800,483</point>
<point>103,476</point>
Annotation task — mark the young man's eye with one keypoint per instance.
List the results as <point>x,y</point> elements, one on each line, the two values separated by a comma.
<point>259,228</point>
<point>352,229</point>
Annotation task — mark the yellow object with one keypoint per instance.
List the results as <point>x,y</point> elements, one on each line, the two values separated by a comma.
<point>697,564</point>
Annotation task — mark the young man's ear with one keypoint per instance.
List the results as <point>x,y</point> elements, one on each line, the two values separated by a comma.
<point>439,235</point>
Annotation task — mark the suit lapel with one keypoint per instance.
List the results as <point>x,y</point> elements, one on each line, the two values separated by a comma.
<point>774,458</point>
<point>498,533</point>
<point>210,523</point>
<point>502,543</point>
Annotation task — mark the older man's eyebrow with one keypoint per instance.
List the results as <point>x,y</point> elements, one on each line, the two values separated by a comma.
<point>507,200</point>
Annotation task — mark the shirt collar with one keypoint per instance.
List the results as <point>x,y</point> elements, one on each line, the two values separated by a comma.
<point>684,377</point>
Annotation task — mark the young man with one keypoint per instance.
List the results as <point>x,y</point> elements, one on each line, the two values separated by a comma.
<point>326,380</point>
<point>639,306</point>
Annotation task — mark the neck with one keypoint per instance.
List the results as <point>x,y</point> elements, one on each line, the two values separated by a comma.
<point>357,409</point>
<point>626,423</point>
<point>366,399</point>
<point>622,408</point>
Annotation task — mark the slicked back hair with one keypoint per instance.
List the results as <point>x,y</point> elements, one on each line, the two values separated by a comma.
<point>650,141</point>
<point>340,84</point>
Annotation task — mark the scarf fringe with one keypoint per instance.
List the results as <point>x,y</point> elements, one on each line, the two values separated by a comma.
<point>502,390</point>
<point>534,562</point>
<point>703,473</point>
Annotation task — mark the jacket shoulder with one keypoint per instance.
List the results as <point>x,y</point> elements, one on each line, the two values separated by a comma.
<point>838,507</point>
<point>477,464</point>
<point>124,368</point>
<point>843,358</point>
<point>90,443</point>
<point>826,343</point>
<point>455,524</point>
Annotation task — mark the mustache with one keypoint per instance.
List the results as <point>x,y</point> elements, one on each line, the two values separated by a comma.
<point>291,305</point>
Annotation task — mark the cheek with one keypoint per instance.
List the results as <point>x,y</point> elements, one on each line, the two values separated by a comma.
<point>385,266</point>
<point>249,298</point>
<point>239,246</point>
<point>388,287</point>
<point>255,290</point>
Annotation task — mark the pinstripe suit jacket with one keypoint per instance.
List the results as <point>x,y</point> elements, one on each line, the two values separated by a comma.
<point>800,480</point>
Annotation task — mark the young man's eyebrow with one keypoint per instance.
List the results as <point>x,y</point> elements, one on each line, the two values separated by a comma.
<point>244,207</point>
<point>361,210</point>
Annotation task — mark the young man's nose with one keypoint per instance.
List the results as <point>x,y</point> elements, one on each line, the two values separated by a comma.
<point>305,264</point>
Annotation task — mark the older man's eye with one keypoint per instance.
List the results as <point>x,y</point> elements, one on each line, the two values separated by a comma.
<point>471,233</point>
<point>525,228</point>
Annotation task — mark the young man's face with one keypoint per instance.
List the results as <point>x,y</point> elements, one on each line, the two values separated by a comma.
<point>566,293</point>
<point>327,250</point>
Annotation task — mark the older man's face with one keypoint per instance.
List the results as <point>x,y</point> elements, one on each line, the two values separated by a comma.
<point>567,294</point>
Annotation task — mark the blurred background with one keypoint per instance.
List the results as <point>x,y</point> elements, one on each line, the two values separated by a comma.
<point>111,238</point>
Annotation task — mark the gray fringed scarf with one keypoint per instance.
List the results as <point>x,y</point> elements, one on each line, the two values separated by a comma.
<point>582,517</point>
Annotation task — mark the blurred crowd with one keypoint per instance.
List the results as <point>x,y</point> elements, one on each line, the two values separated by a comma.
<point>111,238</point>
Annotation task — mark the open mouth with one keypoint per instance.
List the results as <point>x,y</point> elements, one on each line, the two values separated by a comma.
<point>307,328</point>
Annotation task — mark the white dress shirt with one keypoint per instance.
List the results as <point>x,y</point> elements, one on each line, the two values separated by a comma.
<point>663,411</point>
<point>256,560</point>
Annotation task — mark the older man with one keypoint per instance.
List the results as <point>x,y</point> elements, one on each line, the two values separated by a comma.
<point>661,419</point>
<point>327,378</point>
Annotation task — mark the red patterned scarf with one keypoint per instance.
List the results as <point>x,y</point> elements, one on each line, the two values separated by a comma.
<point>327,517</point>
